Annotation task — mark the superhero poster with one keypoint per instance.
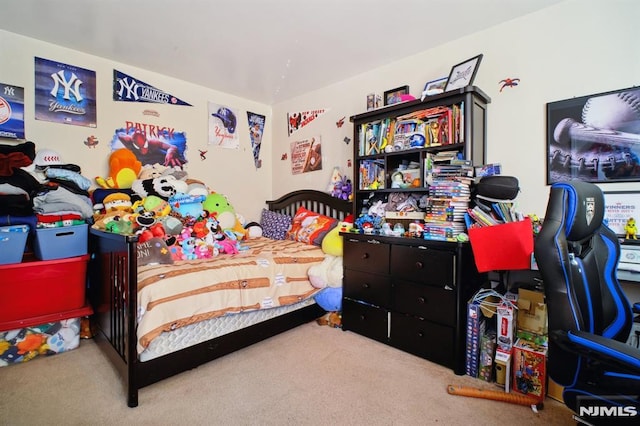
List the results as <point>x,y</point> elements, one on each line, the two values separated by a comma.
<point>256,128</point>
<point>152,144</point>
<point>64,93</point>
<point>222,126</point>
<point>11,112</point>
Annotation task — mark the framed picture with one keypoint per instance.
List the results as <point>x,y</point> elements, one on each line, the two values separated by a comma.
<point>434,87</point>
<point>595,138</point>
<point>619,207</point>
<point>393,96</point>
<point>462,75</point>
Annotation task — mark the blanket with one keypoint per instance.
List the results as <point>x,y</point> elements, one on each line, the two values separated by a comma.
<point>268,274</point>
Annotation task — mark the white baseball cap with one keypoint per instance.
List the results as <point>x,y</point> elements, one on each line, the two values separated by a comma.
<point>44,158</point>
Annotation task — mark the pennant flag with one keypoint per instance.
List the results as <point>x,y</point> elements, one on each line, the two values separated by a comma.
<point>298,120</point>
<point>256,127</point>
<point>129,89</point>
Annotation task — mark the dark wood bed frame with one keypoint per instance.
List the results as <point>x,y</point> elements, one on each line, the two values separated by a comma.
<point>112,290</point>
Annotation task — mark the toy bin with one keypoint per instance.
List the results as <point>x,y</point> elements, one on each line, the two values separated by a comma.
<point>31,289</point>
<point>26,339</point>
<point>13,240</point>
<point>61,242</point>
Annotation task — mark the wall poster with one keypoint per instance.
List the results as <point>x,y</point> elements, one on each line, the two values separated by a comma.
<point>595,138</point>
<point>306,155</point>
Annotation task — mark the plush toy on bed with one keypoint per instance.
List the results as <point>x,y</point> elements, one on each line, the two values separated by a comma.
<point>218,206</point>
<point>328,274</point>
<point>123,170</point>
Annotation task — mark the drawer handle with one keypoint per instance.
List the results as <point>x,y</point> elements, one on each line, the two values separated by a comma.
<point>421,300</point>
<point>365,255</point>
<point>362,317</point>
<point>420,334</point>
<point>365,285</point>
<point>419,265</point>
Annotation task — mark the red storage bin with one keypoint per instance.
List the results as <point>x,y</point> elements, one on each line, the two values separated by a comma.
<point>32,289</point>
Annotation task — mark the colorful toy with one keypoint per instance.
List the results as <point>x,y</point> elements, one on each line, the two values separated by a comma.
<point>123,169</point>
<point>218,205</point>
<point>630,229</point>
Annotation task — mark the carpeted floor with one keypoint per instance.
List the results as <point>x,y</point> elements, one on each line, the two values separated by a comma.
<point>312,375</point>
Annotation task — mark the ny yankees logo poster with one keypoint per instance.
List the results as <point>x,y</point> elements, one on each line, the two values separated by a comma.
<point>65,93</point>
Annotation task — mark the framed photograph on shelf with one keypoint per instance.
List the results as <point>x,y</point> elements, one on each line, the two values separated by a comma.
<point>434,87</point>
<point>594,138</point>
<point>463,74</point>
<point>619,207</point>
<point>394,96</point>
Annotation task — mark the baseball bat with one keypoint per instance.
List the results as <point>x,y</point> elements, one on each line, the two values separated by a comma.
<point>494,395</point>
<point>568,129</point>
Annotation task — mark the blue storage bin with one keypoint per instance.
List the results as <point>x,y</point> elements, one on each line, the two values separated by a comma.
<point>61,242</point>
<point>13,240</point>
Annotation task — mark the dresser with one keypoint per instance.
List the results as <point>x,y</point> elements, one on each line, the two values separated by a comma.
<point>410,294</point>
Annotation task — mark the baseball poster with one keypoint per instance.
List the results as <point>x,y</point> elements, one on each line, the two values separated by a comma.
<point>222,126</point>
<point>11,112</point>
<point>306,155</point>
<point>594,138</point>
<point>65,93</point>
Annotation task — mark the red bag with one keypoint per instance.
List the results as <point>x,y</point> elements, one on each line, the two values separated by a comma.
<point>502,247</point>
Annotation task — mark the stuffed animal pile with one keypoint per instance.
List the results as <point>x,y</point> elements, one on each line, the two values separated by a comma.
<point>191,220</point>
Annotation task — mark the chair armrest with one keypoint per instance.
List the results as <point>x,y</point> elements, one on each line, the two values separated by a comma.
<point>607,351</point>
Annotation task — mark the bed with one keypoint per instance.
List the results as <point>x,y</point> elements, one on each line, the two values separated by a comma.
<point>113,290</point>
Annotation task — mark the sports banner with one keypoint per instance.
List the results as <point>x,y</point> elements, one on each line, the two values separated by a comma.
<point>11,112</point>
<point>129,89</point>
<point>65,93</point>
<point>297,120</point>
<point>222,126</point>
<point>256,127</point>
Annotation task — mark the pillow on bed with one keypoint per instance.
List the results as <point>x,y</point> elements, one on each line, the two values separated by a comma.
<point>154,251</point>
<point>274,225</point>
<point>310,227</point>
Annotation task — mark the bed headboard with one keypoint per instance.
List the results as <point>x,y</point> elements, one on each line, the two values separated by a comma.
<point>317,201</point>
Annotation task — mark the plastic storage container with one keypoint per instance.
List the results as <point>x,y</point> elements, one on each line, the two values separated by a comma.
<point>62,242</point>
<point>13,240</point>
<point>28,338</point>
<point>31,289</point>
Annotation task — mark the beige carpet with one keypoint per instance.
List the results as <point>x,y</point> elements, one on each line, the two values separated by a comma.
<point>312,375</point>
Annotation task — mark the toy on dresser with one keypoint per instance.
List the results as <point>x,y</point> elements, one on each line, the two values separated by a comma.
<point>631,229</point>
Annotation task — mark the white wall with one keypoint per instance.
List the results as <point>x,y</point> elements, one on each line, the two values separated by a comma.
<point>575,48</point>
<point>227,171</point>
<point>572,49</point>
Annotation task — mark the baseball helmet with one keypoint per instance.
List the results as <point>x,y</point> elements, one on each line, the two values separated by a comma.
<point>228,119</point>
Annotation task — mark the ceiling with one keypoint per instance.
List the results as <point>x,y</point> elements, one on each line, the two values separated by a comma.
<point>263,50</point>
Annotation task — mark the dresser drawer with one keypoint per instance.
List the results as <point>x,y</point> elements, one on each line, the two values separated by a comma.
<point>366,256</point>
<point>367,320</point>
<point>426,265</point>
<point>433,303</point>
<point>370,288</point>
<point>423,338</point>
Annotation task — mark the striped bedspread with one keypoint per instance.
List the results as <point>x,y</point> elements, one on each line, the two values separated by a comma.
<point>269,274</point>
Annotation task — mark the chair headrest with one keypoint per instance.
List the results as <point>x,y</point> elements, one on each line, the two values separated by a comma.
<point>584,208</point>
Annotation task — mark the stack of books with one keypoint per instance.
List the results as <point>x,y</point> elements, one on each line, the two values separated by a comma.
<point>447,204</point>
<point>492,214</point>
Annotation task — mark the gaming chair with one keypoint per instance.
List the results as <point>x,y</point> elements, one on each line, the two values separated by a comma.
<point>589,316</point>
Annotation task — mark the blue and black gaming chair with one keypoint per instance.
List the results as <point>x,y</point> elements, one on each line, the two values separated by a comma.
<point>589,316</point>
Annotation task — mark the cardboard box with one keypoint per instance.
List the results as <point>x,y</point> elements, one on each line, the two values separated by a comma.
<point>529,370</point>
<point>26,339</point>
<point>479,312</point>
<point>554,391</point>
<point>34,288</point>
<point>487,353</point>
<point>506,326</point>
<point>503,369</point>
<point>532,312</point>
